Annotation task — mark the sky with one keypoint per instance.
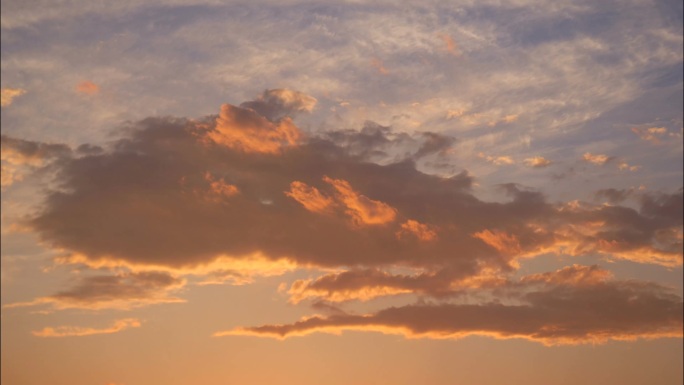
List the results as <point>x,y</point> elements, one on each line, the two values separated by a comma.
<point>341,192</point>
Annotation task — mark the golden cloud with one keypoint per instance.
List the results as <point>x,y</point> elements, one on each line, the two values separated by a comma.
<point>76,331</point>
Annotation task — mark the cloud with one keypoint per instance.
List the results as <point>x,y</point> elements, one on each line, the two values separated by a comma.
<point>380,144</point>
<point>278,103</point>
<point>416,229</point>
<point>309,197</point>
<point>598,159</point>
<point>497,160</point>
<point>87,87</point>
<point>575,305</point>
<point>20,156</point>
<point>537,162</point>
<point>152,187</point>
<point>189,206</point>
<point>650,134</point>
<point>7,95</point>
<point>120,291</point>
<point>626,166</point>
<point>245,130</point>
<point>20,152</point>
<point>362,210</point>
<point>75,331</point>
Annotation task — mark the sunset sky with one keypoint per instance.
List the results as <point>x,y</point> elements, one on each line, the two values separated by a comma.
<point>342,192</point>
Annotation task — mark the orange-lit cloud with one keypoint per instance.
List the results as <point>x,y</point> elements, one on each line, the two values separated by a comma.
<point>420,231</point>
<point>497,160</point>
<point>219,189</point>
<point>501,241</point>
<point>651,134</point>
<point>574,275</point>
<point>76,331</point>
<point>7,95</point>
<point>309,197</point>
<point>537,162</point>
<point>245,130</point>
<point>363,210</point>
<point>575,306</point>
<point>88,88</point>
<point>626,166</point>
<point>599,159</point>
<point>143,188</point>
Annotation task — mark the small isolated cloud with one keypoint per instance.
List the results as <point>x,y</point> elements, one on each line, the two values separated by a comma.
<point>76,331</point>
<point>651,134</point>
<point>537,162</point>
<point>598,159</point>
<point>497,160</point>
<point>7,95</point>
<point>87,87</point>
<point>627,167</point>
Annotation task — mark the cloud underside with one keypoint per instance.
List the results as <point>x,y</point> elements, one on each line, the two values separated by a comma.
<point>553,314</point>
<point>245,193</point>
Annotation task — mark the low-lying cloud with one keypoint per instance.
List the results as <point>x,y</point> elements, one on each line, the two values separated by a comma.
<point>246,193</point>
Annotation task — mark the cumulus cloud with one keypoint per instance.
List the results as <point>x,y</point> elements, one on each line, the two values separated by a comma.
<point>575,305</point>
<point>232,198</point>
<point>598,159</point>
<point>148,186</point>
<point>537,162</point>
<point>7,95</point>
<point>245,130</point>
<point>76,331</point>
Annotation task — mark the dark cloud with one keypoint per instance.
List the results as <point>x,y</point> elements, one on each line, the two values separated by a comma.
<point>181,198</point>
<point>27,150</point>
<point>119,291</point>
<point>238,196</point>
<point>570,307</point>
<point>613,195</point>
<point>278,103</point>
<point>375,142</point>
